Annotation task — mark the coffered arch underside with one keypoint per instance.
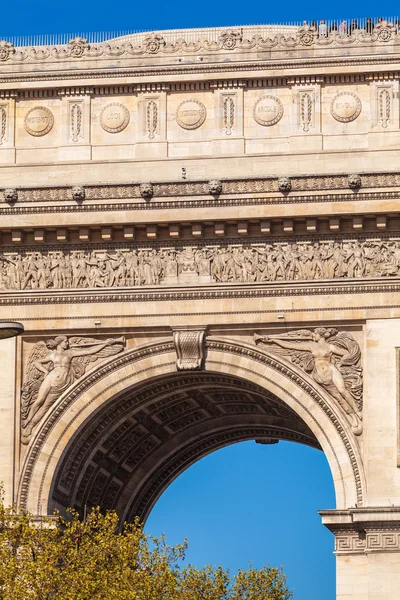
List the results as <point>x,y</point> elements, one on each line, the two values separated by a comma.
<point>126,430</point>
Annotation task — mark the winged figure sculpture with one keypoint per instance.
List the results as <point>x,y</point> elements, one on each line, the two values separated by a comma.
<point>332,358</point>
<point>52,367</point>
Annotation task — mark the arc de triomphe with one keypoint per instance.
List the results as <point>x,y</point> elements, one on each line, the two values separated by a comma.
<point>200,232</point>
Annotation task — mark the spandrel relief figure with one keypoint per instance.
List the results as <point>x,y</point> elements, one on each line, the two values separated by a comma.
<point>332,358</point>
<point>52,367</point>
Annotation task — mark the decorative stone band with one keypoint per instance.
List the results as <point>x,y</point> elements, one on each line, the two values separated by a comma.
<point>255,261</point>
<point>229,41</point>
<point>364,530</point>
<point>172,189</point>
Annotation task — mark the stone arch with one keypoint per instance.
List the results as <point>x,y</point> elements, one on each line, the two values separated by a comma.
<point>291,406</point>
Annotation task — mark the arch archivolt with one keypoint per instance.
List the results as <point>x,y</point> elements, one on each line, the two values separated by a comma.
<point>298,409</point>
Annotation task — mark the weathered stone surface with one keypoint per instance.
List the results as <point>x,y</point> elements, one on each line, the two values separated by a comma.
<point>273,218</point>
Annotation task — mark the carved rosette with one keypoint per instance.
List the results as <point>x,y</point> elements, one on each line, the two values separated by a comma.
<point>78,193</point>
<point>10,195</point>
<point>189,346</point>
<point>215,187</point>
<point>146,190</point>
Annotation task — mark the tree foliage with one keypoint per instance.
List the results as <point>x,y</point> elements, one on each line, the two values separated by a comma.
<point>73,559</point>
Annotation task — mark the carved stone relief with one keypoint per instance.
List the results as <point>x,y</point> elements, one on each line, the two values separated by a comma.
<point>39,121</point>
<point>114,117</point>
<point>53,366</point>
<point>189,346</point>
<point>332,357</point>
<point>255,261</point>
<point>268,110</point>
<point>6,48</point>
<point>10,195</point>
<point>154,43</point>
<point>78,193</point>
<point>284,184</point>
<point>384,106</point>
<point>306,109</point>
<point>3,123</point>
<point>228,113</point>
<point>346,107</point>
<point>75,120</point>
<point>146,190</point>
<point>191,114</point>
<point>354,181</point>
<point>152,117</point>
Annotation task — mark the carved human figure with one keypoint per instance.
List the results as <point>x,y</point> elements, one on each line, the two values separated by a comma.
<point>320,347</point>
<point>52,368</point>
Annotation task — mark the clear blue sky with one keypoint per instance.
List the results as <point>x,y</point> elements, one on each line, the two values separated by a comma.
<point>246,502</point>
<point>47,16</point>
<point>250,502</point>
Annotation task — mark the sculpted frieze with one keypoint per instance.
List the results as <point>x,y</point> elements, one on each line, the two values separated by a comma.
<point>229,41</point>
<point>257,261</point>
<point>331,357</point>
<point>53,366</point>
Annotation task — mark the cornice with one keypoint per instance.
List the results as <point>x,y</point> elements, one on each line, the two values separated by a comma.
<point>167,293</point>
<point>164,194</point>
<point>369,64</point>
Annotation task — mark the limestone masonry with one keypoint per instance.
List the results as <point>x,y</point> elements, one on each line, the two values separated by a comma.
<point>200,231</point>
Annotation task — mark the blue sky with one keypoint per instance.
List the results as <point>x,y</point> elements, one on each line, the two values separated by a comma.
<point>47,16</point>
<point>251,502</point>
<point>247,502</point>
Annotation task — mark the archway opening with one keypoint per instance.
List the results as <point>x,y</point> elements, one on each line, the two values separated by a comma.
<point>251,502</point>
<point>131,449</point>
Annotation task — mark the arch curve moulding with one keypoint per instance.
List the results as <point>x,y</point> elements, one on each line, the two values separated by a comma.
<point>116,437</point>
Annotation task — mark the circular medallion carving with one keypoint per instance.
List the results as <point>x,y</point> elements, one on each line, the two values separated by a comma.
<point>268,110</point>
<point>39,121</point>
<point>191,114</point>
<point>345,107</point>
<point>114,117</point>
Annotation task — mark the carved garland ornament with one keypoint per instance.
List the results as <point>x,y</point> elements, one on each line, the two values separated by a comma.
<point>191,114</point>
<point>114,117</point>
<point>268,110</point>
<point>39,120</point>
<point>346,107</point>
